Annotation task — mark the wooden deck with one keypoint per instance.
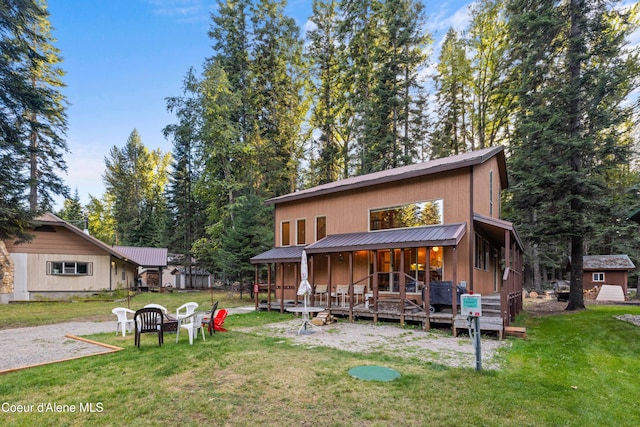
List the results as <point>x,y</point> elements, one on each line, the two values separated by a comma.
<point>390,310</point>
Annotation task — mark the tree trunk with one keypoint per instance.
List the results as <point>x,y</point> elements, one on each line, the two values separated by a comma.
<point>576,298</point>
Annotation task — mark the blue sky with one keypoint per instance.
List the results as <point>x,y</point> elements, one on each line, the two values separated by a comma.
<point>124,57</point>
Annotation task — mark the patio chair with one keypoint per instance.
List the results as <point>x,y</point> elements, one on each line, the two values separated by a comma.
<point>148,320</point>
<point>193,324</point>
<point>321,293</point>
<point>186,309</point>
<point>164,310</point>
<point>358,291</point>
<point>208,320</point>
<point>218,321</point>
<point>341,291</point>
<point>124,323</point>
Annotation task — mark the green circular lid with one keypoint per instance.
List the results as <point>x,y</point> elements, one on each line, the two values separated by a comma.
<point>374,373</point>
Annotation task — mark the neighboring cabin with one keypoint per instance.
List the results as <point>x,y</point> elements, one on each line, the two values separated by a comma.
<point>399,231</point>
<point>62,260</point>
<point>601,270</point>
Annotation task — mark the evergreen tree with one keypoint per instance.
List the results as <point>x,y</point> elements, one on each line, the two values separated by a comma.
<point>47,120</point>
<point>135,178</point>
<point>492,100</point>
<point>452,129</point>
<point>573,75</point>
<point>331,115</point>
<point>277,82</point>
<point>20,99</point>
<point>72,211</point>
<point>102,224</point>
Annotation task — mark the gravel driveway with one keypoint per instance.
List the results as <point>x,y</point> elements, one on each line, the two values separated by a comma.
<point>23,347</point>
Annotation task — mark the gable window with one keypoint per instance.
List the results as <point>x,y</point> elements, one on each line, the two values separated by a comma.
<point>598,277</point>
<point>321,227</point>
<point>284,234</point>
<point>69,268</point>
<point>300,235</point>
<point>405,216</point>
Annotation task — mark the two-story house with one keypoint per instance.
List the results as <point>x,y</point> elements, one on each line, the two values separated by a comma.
<point>380,244</point>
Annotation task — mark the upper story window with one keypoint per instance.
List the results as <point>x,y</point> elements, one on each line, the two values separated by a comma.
<point>70,268</point>
<point>598,277</point>
<point>321,227</point>
<point>300,232</point>
<point>409,215</point>
<point>285,235</point>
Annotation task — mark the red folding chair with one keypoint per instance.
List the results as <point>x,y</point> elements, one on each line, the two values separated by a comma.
<point>218,321</point>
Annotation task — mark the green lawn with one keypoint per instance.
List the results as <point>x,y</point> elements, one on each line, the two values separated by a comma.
<point>573,370</point>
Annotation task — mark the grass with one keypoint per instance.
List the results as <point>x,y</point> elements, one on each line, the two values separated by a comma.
<point>573,370</point>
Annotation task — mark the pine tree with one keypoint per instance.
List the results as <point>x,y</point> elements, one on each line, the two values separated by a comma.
<point>573,75</point>
<point>452,130</point>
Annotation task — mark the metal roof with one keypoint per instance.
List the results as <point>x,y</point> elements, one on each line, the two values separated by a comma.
<point>282,254</point>
<point>496,227</point>
<point>145,257</point>
<point>444,164</point>
<point>607,262</point>
<point>432,235</point>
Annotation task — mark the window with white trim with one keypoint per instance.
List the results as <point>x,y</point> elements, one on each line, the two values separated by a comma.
<point>598,277</point>
<point>69,268</point>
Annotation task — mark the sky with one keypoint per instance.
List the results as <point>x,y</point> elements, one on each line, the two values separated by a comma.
<point>123,58</point>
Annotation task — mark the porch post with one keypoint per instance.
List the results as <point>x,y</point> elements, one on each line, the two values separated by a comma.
<point>454,290</point>
<point>269,287</point>
<point>329,292</point>
<point>505,292</point>
<point>403,287</point>
<point>375,286</point>
<point>256,285</point>
<point>282,288</point>
<point>296,282</point>
<point>313,283</point>
<point>350,286</point>
<point>426,288</point>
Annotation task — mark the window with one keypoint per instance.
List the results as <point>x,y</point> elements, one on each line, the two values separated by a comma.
<point>410,215</point>
<point>321,227</point>
<point>300,235</point>
<point>481,248</point>
<point>284,234</point>
<point>70,268</point>
<point>598,277</point>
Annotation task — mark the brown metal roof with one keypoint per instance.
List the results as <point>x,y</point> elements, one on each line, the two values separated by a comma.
<point>283,254</point>
<point>432,235</point>
<point>145,257</point>
<point>607,262</point>
<point>496,227</point>
<point>470,158</point>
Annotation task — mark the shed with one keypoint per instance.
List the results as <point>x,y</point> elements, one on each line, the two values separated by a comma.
<point>599,270</point>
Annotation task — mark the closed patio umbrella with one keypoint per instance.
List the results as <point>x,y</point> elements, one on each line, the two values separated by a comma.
<point>305,286</point>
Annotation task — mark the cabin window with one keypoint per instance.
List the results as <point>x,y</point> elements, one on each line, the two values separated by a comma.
<point>284,234</point>
<point>300,235</point>
<point>321,227</point>
<point>405,216</point>
<point>598,277</point>
<point>415,268</point>
<point>69,268</point>
<point>481,248</point>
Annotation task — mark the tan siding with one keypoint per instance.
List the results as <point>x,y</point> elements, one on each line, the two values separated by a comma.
<point>62,241</point>
<point>349,211</point>
<point>39,280</point>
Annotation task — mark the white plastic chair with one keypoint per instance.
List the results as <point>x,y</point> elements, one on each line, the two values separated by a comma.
<point>341,291</point>
<point>192,324</point>
<point>186,309</point>
<point>124,323</point>
<point>164,310</point>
